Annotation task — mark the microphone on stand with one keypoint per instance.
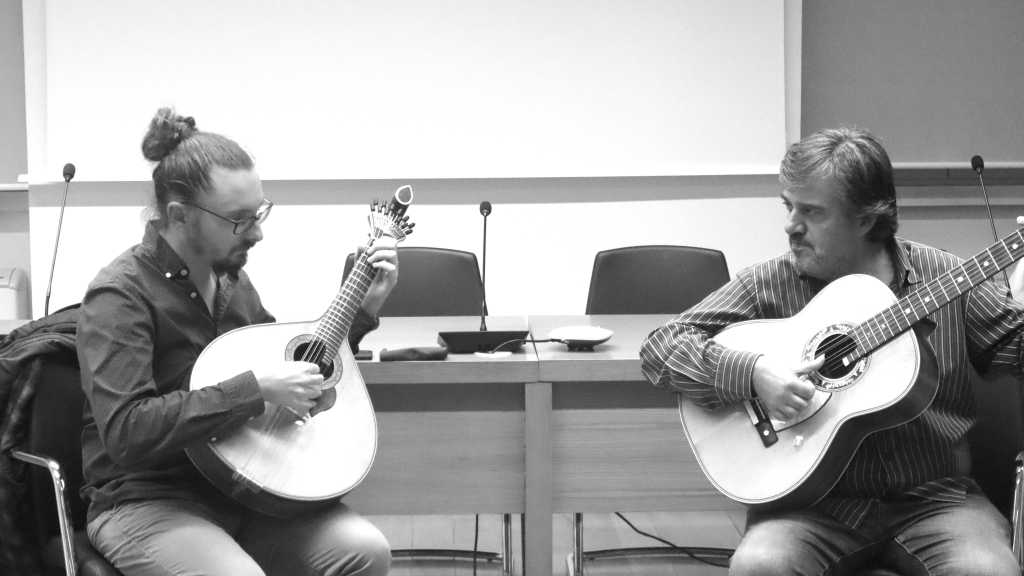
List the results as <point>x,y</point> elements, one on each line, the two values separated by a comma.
<point>69,173</point>
<point>978,165</point>
<point>483,340</point>
<point>485,209</point>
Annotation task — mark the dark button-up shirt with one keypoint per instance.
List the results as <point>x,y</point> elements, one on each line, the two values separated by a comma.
<point>927,457</point>
<point>143,324</point>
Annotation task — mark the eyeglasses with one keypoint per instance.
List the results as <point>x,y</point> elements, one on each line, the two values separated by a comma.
<point>244,225</point>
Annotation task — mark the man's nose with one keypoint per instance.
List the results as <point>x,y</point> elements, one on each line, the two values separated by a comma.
<point>794,225</point>
<point>256,232</point>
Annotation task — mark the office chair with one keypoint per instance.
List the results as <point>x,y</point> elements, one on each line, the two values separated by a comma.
<point>996,441</point>
<point>654,279</point>
<point>433,282</point>
<point>54,446</point>
<point>440,282</point>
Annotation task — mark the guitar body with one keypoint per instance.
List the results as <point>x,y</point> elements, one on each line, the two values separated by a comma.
<point>813,449</point>
<point>276,463</point>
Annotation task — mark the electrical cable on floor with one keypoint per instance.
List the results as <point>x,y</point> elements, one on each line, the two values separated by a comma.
<point>686,551</point>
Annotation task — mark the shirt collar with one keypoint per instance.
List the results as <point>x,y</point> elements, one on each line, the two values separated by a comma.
<point>905,273</point>
<point>166,258</point>
<point>899,249</point>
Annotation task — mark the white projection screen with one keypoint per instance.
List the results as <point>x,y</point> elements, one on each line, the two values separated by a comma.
<point>372,89</point>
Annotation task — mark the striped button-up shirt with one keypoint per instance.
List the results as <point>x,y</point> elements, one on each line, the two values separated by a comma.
<point>927,457</point>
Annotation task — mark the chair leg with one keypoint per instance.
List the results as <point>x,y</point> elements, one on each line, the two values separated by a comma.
<point>577,544</point>
<point>507,560</point>
<point>67,531</point>
<point>505,556</point>
<point>1017,519</point>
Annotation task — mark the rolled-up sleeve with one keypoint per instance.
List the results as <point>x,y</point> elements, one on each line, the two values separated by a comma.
<point>682,356</point>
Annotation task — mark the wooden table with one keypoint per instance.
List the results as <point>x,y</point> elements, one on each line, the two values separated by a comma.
<point>454,436</point>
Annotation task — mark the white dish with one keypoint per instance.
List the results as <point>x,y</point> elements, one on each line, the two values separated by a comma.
<point>581,336</point>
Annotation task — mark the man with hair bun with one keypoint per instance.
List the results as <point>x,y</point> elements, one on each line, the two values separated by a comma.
<point>144,321</point>
<point>906,499</point>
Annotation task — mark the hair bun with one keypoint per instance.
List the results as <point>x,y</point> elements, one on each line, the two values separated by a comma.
<point>166,131</point>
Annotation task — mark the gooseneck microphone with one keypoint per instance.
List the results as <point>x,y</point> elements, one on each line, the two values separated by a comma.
<point>978,165</point>
<point>69,173</point>
<point>485,210</point>
<point>483,341</point>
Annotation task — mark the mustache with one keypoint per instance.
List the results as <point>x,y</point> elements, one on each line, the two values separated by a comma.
<point>799,241</point>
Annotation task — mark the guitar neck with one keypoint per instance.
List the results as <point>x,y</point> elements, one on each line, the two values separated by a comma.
<point>935,294</point>
<point>337,321</point>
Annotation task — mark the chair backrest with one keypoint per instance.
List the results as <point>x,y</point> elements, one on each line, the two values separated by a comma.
<point>654,279</point>
<point>997,438</point>
<point>433,282</point>
<point>995,441</point>
<point>56,431</point>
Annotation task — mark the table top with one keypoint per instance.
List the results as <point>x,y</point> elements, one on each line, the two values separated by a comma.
<point>615,360</point>
<point>410,332</point>
<point>618,359</point>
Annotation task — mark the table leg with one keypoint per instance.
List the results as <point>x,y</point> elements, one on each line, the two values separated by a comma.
<point>539,488</point>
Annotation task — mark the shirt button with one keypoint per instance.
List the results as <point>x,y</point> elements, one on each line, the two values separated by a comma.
<point>192,295</point>
<point>184,272</point>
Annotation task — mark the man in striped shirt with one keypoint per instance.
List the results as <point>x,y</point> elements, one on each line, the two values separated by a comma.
<point>906,498</point>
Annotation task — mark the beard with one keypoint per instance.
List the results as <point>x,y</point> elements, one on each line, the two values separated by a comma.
<point>232,262</point>
<point>806,259</point>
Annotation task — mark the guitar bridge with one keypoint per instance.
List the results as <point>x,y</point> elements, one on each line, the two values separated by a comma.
<point>762,423</point>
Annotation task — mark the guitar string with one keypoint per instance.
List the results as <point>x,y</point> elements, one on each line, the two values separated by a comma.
<point>947,280</point>
<point>314,349</point>
<point>261,451</point>
<point>257,452</point>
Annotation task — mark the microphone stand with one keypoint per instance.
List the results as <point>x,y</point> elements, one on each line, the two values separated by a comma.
<point>68,175</point>
<point>483,287</point>
<point>979,166</point>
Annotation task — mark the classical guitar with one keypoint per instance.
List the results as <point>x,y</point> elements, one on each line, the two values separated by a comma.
<point>878,373</point>
<point>277,463</point>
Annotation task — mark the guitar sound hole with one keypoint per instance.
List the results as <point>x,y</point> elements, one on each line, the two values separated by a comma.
<point>834,347</point>
<point>316,357</point>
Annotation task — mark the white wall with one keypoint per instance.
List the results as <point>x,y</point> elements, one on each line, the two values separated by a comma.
<point>509,93</point>
<point>320,89</point>
<point>540,255</point>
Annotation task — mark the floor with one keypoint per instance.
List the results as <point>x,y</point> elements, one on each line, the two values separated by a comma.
<point>601,531</point>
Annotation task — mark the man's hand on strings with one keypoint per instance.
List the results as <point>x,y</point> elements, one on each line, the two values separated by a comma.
<point>383,257</point>
<point>292,385</point>
<point>784,391</point>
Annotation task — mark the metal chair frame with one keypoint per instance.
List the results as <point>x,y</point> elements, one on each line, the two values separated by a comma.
<point>67,530</point>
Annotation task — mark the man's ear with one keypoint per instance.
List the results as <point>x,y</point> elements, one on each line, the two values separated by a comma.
<point>176,214</point>
<point>867,222</point>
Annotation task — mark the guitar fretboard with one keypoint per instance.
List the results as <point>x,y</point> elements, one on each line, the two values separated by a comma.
<point>337,321</point>
<point>899,317</point>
